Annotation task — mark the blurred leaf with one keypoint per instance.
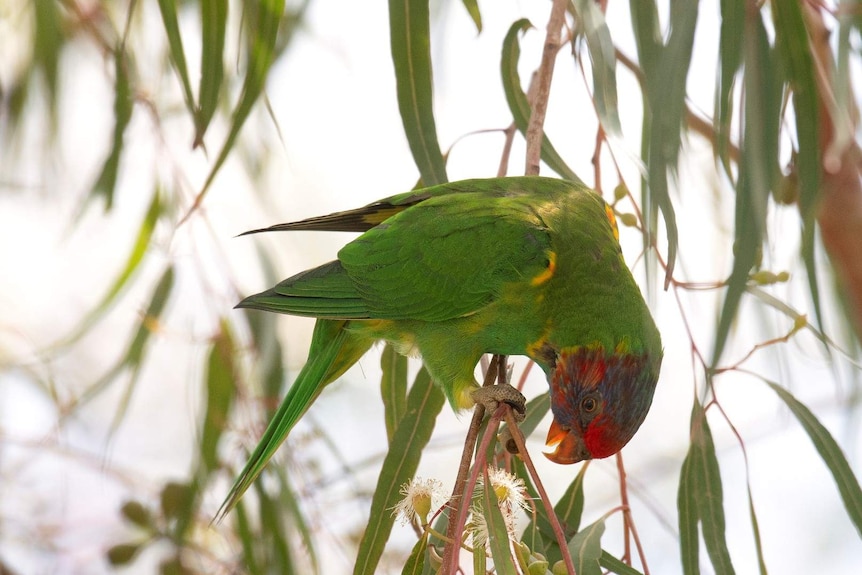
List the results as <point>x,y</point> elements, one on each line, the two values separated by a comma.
<point>700,487</point>
<point>498,534</point>
<point>586,548</point>
<point>472,7</point>
<point>416,561</point>
<point>247,539</point>
<point>829,450</point>
<point>263,20</point>
<point>123,553</point>
<point>393,387</point>
<point>220,390</point>
<point>424,403</point>
<point>730,60</point>
<point>136,513</point>
<point>793,51</point>
<point>295,515</point>
<point>123,103</point>
<point>410,38</point>
<point>279,557</point>
<point>173,498</point>
<point>645,25</point>
<point>213,29</point>
<point>48,40</point>
<point>614,565</point>
<point>604,62</point>
<point>758,170</point>
<point>168,9</point>
<point>755,527</point>
<point>136,256</point>
<point>519,105</point>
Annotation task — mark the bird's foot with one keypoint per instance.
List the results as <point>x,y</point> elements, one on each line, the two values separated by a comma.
<point>491,396</point>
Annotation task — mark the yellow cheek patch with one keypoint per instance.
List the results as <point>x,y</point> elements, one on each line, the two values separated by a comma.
<point>548,272</point>
<point>609,211</point>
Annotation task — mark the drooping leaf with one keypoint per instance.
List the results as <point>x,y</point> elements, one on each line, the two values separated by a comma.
<point>830,452</point>
<point>519,105</point>
<point>571,505</point>
<point>424,403</point>
<point>410,40</point>
<point>213,30</point>
<point>123,104</point>
<point>220,391</point>
<point>730,60</point>
<point>793,51</point>
<point>586,549</point>
<point>498,533</point>
<point>415,563</point>
<point>700,499</point>
<point>262,32</point>
<point>758,170</point>
<point>472,7</point>
<point>168,9</point>
<point>393,387</point>
<point>604,62</point>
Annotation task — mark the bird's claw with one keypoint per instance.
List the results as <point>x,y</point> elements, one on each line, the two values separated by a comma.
<point>491,396</point>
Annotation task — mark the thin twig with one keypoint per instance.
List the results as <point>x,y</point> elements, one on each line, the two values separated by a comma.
<point>543,495</point>
<point>450,551</point>
<point>628,520</point>
<point>535,129</point>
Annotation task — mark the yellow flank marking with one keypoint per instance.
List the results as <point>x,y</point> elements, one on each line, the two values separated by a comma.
<point>534,347</point>
<point>381,215</point>
<point>548,272</point>
<point>613,220</point>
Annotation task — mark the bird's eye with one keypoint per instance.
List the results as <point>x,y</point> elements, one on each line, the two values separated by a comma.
<point>589,404</point>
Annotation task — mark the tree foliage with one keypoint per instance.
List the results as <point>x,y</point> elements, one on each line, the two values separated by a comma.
<point>782,142</point>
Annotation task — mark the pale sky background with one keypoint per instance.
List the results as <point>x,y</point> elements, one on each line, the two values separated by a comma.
<point>333,95</point>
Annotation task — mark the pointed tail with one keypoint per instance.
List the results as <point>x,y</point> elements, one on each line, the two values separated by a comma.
<point>333,349</point>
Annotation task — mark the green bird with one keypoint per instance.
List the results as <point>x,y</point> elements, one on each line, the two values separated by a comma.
<point>515,266</point>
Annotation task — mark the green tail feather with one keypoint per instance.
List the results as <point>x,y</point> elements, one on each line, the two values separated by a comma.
<point>332,352</point>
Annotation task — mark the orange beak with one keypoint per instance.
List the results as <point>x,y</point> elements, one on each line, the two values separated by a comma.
<point>569,447</point>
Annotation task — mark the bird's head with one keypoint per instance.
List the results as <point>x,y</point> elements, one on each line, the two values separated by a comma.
<point>599,400</point>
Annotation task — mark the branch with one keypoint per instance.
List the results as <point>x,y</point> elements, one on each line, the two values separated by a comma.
<point>535,129</point>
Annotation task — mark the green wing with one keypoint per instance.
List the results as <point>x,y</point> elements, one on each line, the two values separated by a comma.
<point>445,255</point>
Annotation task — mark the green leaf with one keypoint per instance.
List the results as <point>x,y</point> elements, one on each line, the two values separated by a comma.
<point>730,60</point>
<point>279,557</point>
<point>410,41</point>
<point>168,9</point>
<point>416,561</point>
<point>393,387</point>
<point>793,51</point>
<point>498,533</point>
<point>571,505</point>
<point>213,29</point>
<point>604,62</point>
<point>424,403</point>
<point>49,36</point>
<point>220,391</point>
<point>247,539</point>
<point>614,565</point>
<point>700,486</point>
<point>687,512</point>
<point>586,549</point>
<point>262,30</point>
<point>757,172</point>
<point>830,452</point>
<point>123,103</point>
<point>517,99</point>
<point>472,7</point>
